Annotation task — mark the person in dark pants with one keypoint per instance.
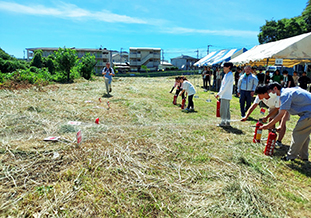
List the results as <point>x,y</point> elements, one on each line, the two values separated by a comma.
<point>288,80</point>
<point>189,88</point>
<point>304,80</point>
<point>236,79</point>
<point>246,89</point>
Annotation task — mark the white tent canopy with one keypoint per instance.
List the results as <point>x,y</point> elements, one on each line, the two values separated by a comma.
<point>292,50</point>
<point>220,56</point>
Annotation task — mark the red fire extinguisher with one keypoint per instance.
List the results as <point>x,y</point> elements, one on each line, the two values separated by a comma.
<point>218,109</point>
<point>258,132</point>
<point>183,102</point>
<point>175,99</point>
<point>270,143</point>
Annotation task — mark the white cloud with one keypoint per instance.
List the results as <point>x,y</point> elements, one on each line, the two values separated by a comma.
<point>181,30</point>
<point>65,10</point>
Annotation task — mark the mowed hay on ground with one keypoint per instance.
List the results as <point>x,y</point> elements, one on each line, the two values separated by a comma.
<point>145,158</point>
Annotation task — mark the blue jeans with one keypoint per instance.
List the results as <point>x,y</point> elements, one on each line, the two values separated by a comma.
<point>245,96</point>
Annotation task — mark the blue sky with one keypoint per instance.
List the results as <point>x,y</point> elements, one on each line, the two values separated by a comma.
<point>178,27</point>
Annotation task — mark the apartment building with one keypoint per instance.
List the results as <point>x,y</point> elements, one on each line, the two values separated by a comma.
<point>149,57</point>
<point>102,56</point>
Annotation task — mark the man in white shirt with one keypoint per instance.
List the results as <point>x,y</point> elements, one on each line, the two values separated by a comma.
<point>273,104</point>
<point>225,95</point>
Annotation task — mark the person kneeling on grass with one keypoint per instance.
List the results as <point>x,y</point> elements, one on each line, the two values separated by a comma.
<point>225,95</point>
<point>189,88</point>
<point>296,101</point>
<point>273,103</point>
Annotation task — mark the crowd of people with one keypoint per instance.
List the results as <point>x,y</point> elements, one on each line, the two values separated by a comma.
<point>282,94</point>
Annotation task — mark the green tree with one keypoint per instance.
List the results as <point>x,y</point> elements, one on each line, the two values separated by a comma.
<point>37,59</point>
<point>145,68</point>
<point>306,15</point>
<point>50,64</point>
<point>66,59</point>
<point>86,66</point>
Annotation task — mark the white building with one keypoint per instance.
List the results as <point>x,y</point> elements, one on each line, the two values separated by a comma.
<point>149,57</point>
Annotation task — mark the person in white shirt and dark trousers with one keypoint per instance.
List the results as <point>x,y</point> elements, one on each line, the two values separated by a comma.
<point>246,89</point>
<point>225,95</point>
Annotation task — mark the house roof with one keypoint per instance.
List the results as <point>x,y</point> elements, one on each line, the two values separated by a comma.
<point>185,57</point>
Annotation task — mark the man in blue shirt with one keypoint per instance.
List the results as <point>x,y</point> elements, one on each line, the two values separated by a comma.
<point>296,101</point>
<point>246,89</point>
<point>108,73</point>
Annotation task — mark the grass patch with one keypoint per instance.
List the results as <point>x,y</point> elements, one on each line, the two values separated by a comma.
<point>145,158</point>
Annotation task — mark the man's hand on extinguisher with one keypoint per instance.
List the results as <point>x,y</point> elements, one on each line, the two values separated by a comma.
<point>266,126</point>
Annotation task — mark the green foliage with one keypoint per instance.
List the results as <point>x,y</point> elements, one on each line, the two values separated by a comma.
<point>306,16</point>
<point>66,60</point>
<point>86,66</point>
<point>145,68</point>
<point>4,55</point>
<point>281,29</point>
<point>37,59</point>
<point>50,64</point>
<point>9,64</point>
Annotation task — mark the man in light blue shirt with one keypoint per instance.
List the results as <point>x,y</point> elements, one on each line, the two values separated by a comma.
<point>296,101</point>
<point>246,89</point>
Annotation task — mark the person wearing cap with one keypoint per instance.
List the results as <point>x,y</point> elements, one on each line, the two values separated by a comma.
<point>246,89</point>
<point>296,101</point>
<point>225,95</point>
<point>108,73</point>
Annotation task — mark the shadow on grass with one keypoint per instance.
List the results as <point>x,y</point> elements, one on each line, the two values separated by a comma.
<point>231,129</point>
<point>107,95</point>
<point>280,152</point>
<point>303,167</point>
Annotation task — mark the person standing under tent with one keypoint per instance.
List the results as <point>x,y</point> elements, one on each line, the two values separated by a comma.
<point>304,80</point>
<point>246,89</point>
<point>296,101</point>
<point>225,94</point>
<point>267,77</point>
<point>236,79</point>
<point>261,77</point>
<point>218,79</point>
<point>190,90</point>
<point>277,77</point>
<point>288,81</point>
<point>204,75</point>
<point>108,73</point>
<point>295,78</point>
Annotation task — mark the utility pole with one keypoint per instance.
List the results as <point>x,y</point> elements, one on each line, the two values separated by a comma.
<point>197,51</point>
<point>207,51</point>
<point>121,55</point>
<point>162,55</point>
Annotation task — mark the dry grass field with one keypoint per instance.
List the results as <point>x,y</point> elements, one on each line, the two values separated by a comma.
<point>145,158</point>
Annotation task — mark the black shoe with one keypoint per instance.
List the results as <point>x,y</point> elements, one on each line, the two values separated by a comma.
<point>285,158</point>
<point>110,90</point>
